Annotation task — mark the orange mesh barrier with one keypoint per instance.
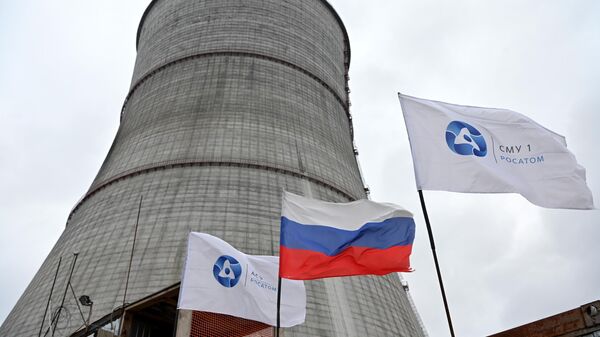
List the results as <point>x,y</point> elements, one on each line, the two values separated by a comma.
<point>207,324</point>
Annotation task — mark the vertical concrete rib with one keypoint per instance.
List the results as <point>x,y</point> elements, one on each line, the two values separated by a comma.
<point>231,101</point>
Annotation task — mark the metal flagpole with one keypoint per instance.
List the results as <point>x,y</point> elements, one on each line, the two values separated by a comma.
<point>137,221</point>
<point>50,296</point>
<point>435,259</point>
<point>62,303</point>
<point>278,305</point>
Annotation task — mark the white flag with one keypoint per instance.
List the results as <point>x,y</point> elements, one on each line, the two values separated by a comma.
<point>484,150</point>
<point>219,278</point>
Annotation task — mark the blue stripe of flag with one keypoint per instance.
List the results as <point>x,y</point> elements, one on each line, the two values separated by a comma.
<point>331,241</point>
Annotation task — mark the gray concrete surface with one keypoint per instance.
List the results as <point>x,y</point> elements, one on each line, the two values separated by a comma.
<point>230,102</point>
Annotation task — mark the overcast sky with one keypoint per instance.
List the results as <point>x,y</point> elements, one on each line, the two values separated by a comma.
<point>65,69</point>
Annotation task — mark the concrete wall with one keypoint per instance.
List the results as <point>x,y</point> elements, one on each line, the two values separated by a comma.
<point>231,101</point>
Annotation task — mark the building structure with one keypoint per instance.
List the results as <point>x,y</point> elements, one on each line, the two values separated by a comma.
<point>230,103</point>
<point>579,322</point>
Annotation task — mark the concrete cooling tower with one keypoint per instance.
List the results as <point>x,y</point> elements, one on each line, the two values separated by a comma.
<point>231,102</point>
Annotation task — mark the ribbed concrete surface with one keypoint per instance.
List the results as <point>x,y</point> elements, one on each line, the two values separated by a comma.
<point>236,108</point>
<point>303,33</point>
<point>231,102</point>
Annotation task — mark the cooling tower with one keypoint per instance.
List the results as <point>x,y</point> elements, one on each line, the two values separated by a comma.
<point>231,102</point>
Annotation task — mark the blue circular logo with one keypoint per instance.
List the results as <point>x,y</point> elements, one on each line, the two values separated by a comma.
<point>227,271</point>
<point>465,140</point>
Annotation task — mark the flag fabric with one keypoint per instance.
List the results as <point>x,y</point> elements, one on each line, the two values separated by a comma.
<point>218,278</point>
<point>324,239</point>
<point>485,150</point>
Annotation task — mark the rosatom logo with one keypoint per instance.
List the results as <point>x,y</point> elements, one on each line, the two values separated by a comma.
<point>465,140</point>
<point>227,271</point>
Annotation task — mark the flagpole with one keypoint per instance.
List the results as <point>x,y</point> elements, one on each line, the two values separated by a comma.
<point>278,305</point>
<point>435,259</point>
<point>137,220</point>
<point>50,296</point>
<point>62,303</point>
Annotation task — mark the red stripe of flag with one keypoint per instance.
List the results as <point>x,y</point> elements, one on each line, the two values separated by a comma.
<point>299,264</point>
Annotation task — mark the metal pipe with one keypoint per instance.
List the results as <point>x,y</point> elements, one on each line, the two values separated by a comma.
<point>62,303</point>
<point>50,296</point>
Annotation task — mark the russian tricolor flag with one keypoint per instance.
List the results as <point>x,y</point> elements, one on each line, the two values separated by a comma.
<point>324,239</point>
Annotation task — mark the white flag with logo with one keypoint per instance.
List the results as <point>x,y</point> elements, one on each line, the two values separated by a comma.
<point>485,150</point>
<point>218,278</point>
